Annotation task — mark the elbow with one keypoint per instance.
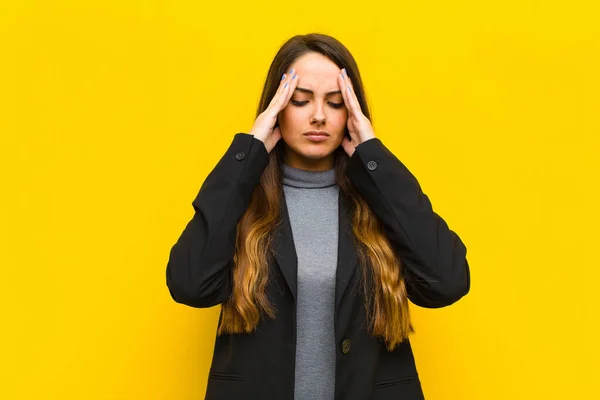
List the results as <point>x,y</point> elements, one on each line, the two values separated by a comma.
<point>438,298</point>
<point>197,280</point>
<point>451,292</point>
<point>202,294</point>
<point>443,292</point>
<point>455,288</point>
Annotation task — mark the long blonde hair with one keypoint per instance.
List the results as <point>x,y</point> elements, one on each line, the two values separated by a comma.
<point>386,299</point>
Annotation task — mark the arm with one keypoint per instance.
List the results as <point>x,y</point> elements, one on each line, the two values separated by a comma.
<point>200,262</point>
<point>436,270</point>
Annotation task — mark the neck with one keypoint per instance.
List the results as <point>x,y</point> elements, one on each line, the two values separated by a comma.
<point>298,161</point>
<point>301,178</point>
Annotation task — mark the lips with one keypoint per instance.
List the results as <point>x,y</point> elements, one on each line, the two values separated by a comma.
<point>316,136</point>
<point>316,133</point>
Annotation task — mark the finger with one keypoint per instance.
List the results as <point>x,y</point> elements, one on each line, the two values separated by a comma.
<point>278,92</point>
<point>275,103</point>
<point>287,91</point>
<point>348,93</point>
<point>343,89</point>
<point>290,90</point>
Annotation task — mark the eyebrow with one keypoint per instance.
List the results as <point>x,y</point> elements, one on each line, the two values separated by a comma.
<point>311,92</point>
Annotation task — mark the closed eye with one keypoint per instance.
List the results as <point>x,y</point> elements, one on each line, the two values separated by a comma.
<point>302,103</point>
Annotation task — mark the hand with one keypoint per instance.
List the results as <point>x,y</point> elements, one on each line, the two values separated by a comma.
<point>359,126</point>
<point>263,126</point>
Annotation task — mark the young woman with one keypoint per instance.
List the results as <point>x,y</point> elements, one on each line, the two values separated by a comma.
<point>313,237</point>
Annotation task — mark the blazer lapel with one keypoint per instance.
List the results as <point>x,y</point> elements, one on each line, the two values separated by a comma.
<point>285,251</point>
<point>347,257</point>
<point>287,259</point>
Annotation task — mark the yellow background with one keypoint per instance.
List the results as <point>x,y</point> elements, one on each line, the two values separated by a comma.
<point>114,112</point>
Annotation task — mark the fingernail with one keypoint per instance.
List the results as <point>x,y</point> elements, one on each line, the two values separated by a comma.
<point>283,77</point>
<point>291,70</point>
<point>344,71</point>
<point>295,75</point>
<point>284,86</point>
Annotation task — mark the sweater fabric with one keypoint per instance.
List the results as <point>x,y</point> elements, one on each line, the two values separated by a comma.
<point>312,203</point>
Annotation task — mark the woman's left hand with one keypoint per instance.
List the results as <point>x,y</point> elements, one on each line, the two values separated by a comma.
<point>359,126</point>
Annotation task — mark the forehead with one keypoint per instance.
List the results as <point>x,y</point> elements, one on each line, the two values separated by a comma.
<point>316,72</point>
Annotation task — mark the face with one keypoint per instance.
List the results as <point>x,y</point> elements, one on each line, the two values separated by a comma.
<point>315,105</point>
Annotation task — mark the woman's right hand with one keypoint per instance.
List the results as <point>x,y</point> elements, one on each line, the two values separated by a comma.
<point>264,127</point>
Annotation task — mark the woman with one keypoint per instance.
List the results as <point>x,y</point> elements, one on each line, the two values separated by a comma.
<point>313,236</point>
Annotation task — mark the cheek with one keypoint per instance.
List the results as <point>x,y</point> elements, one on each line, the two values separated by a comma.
<point>340,119</point>
<point>288,122</point>
<point>287,115</point>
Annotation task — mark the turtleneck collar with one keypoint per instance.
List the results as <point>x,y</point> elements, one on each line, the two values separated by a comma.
<point>300,178</point>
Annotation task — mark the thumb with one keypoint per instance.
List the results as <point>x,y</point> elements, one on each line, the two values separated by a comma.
<point>273,139</point>
<point>348,146</point>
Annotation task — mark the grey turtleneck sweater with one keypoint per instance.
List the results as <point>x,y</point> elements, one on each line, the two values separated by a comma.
<point>312,201</point>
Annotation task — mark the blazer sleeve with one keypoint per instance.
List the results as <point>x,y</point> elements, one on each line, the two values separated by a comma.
<point>200,262</point>
<point>435,267</point>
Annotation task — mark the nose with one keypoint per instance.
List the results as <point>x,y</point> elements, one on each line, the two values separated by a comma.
<point>318,116</point>
<point>318,120</point>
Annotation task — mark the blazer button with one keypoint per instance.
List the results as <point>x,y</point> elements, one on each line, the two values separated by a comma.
<point>240,156</point>
<point>372,165</point>
<point>346,346</point>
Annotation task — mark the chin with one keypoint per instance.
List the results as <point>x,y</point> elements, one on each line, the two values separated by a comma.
<point>315,156</point>
<point>316,152</point>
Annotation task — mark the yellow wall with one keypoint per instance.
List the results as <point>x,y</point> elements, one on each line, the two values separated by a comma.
<point>113,113</point>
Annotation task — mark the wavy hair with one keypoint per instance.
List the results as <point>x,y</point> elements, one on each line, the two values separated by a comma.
<point>386,299</point>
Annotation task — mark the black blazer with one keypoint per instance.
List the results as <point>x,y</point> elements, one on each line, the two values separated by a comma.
<point>261,365</point>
